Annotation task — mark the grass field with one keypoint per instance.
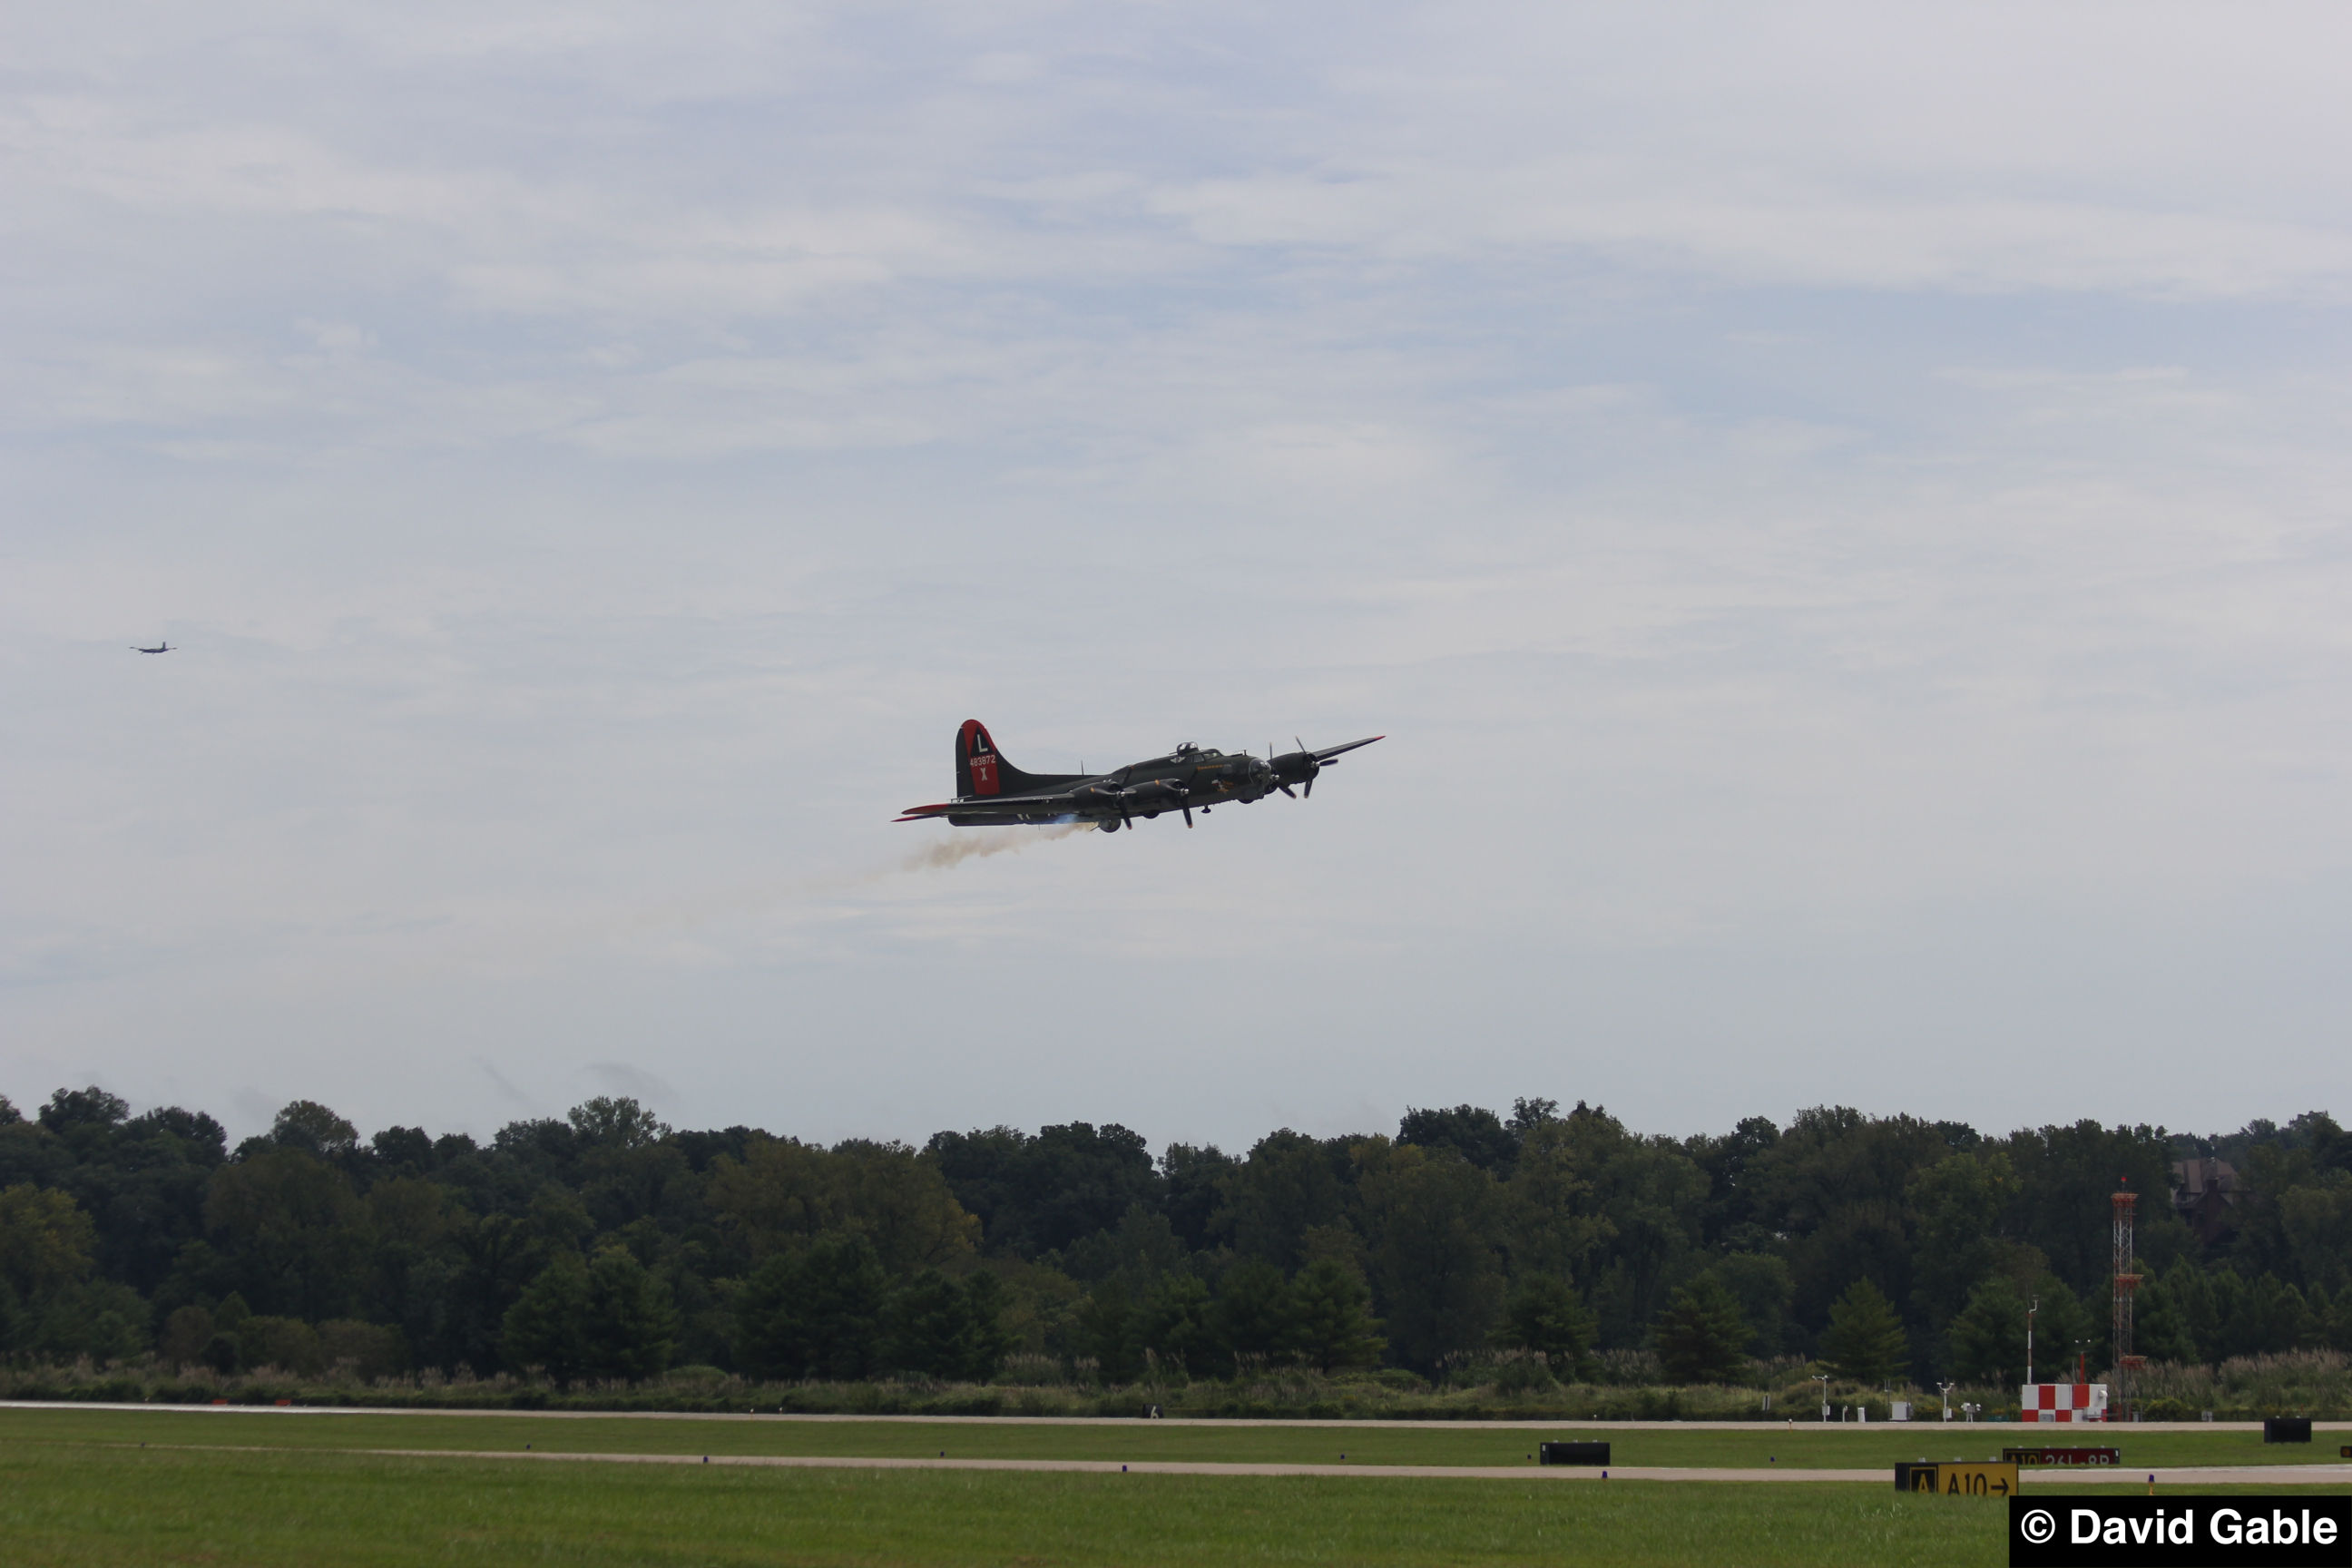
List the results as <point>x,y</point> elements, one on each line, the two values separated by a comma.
<point>1834,1448</point>
<point>69,1504</point>
<point>230,1487</point>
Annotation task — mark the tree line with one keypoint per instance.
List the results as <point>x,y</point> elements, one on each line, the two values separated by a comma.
<point>606,1246</point>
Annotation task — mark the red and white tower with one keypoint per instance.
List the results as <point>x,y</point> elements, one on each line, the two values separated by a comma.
<point>2126,1283</point>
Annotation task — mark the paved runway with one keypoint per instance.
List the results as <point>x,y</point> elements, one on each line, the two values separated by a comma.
<point>2246,1475</point>
<point>2011,1432</point>
<point>2338,1475</point>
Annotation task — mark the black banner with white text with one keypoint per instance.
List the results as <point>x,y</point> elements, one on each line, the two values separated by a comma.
<point>2301,1531</point>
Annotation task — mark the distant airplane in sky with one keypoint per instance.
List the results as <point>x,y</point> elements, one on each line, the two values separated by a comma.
<point>159,647</point>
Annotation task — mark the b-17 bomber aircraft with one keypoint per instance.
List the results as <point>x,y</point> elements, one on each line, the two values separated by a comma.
<point>991,792</point>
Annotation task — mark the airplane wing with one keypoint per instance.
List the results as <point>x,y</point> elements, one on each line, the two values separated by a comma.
<point>1327,752</point>
<point>1011,806</point>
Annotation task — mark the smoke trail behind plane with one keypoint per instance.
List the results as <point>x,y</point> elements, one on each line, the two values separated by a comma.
<point>719,905</point>
<point>950,853</point>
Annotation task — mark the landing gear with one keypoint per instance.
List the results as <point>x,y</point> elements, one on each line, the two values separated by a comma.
<point>1108,824</point>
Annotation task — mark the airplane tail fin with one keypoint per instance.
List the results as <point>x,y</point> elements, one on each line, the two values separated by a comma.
<point>982,770</point>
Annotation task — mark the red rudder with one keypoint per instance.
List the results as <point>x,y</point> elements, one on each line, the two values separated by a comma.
<point>979,769</point>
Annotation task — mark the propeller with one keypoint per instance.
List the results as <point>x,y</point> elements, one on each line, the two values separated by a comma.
<point>1151,794</point>
<point>1276,766</point>
<point>1300,767</point>
<point>1158,795</point>
<point>1118,796</point>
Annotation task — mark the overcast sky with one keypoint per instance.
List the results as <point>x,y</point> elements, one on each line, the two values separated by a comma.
<point>1841,513</point>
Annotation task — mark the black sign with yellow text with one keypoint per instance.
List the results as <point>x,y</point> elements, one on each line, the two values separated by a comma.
<point>1957,1479</point>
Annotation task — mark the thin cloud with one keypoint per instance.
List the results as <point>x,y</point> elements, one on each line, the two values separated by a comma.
<point>1844,502</point>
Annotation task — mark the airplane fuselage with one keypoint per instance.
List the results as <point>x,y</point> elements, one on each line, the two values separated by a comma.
<point>992,793</point>
<point>1201,778</point>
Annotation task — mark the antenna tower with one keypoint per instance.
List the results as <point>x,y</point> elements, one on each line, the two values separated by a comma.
<point>2126,1283</point>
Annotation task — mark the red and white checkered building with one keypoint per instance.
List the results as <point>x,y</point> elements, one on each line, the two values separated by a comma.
<point>2062,1402</point>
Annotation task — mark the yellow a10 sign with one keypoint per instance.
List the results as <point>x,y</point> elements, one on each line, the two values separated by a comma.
<point>1954,1479</point>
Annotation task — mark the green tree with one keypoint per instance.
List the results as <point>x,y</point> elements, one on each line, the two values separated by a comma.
<point>925,1325</point>
<point>783,1194</point>
<point>2317,1221</point>
<point>2332,1320</point>
<point>1034,1195</point>
<point>2066,1175</point>
<point>630,1326</point>
<point>100,1319</point>
<point>987,1341</point>
<point>1432,1219</point>
<point>496,1256</point>
<point>2065,1331</point>
<point>1545,1315</point>
<point>1701,1336</point>
<point>1865,1342</point>
<point>1253,1310</point>
<point>1331,1323</point>
<point>369,1350</point>
<point>86,1121</point>
<point>1988,1335</point>
<point>1192,1181</point>
<point>617,1123</point>
<point>139,1179</point>
<point>2269,1316</point>
<point>291,1224</point>
<point>1957,1203</point>
<point>2192,1293</point>
<point>1763,1286</point>
<point>1550,1207</point>
<point>1653,1197</point>
<point>289,1344</point>
<point>413,1256</point>
<point>814,1314</point>
<point>1837,1185</point>
<point>1180,1322</point>
<point>46,1240</point>
<point>2160,1329</point>
<point>547,1326</point>
<point>1472,1131</point>
<point>1730,1213</point>
<point>231,1349</point>
<point>1140,1248</point>
<point>1107,1325</point>
<point>185,1334</point>
<point>307,1125</point>
<point>1289,1184</point>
